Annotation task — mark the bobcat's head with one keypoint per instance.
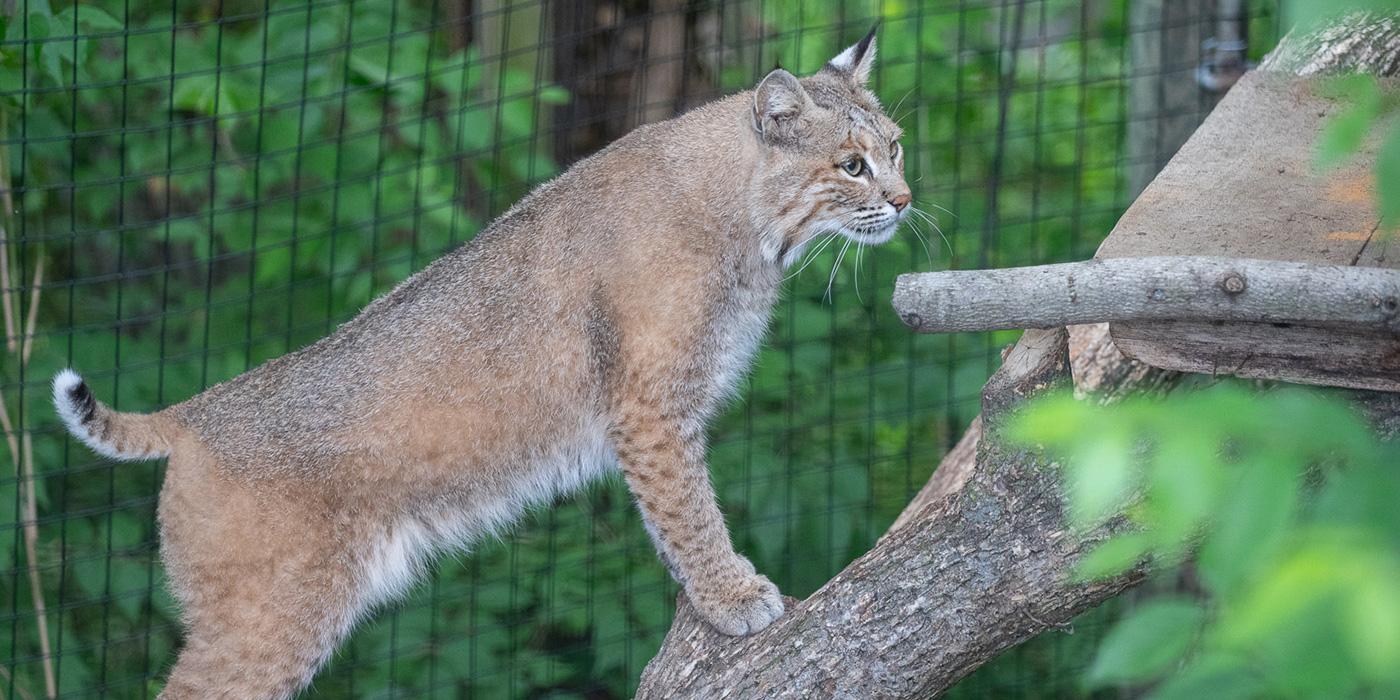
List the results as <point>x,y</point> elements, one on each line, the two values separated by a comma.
<point>830,159</point>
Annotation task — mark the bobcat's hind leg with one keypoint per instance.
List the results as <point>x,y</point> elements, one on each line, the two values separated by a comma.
<point>266,588</point>
<point>264,645</point>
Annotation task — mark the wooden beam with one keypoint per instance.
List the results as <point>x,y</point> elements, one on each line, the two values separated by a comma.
<point>1356,358</point>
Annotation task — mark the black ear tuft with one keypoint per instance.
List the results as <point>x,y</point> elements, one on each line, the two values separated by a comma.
<point>857,60</point>
<point>866,43</point>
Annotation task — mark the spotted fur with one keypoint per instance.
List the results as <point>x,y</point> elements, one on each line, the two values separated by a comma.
<point>600,322</point>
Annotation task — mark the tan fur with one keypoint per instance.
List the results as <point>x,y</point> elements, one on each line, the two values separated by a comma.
<point>601,320</point>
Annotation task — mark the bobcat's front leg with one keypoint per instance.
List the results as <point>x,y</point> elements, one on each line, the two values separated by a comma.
<point>664,463</point>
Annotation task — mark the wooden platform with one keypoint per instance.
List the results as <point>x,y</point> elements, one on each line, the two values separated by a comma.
<point>1245,186</point>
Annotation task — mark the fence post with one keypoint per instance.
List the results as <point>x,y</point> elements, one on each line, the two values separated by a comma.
<point>1165,101</point>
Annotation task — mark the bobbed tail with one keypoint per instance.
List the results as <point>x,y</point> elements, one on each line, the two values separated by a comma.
<point>124,436</point>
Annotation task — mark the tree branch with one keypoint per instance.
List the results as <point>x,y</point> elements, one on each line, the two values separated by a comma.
<point>976,564</point>
<point>1175,288</point>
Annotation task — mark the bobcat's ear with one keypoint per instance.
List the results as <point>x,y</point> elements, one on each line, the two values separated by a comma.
<point>778,103</point>
<point>857,60</point>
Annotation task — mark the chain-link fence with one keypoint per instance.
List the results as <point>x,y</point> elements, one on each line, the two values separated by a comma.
<point>191,188</point>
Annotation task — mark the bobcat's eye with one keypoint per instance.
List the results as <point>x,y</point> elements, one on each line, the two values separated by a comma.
<point>894,150</point>
<point>854,167</point>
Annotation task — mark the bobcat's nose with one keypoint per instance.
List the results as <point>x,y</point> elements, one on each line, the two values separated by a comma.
<point>900,201</point>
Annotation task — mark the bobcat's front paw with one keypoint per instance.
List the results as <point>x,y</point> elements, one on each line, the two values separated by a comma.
<point>740,606</point>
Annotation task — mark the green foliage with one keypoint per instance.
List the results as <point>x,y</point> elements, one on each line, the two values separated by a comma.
<point>1147,642</point>
<point>1366,109</point>
<point>212,192</point>
<point>1281,501</point>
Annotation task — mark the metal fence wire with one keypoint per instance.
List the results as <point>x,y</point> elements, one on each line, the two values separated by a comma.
<point>192,188</point>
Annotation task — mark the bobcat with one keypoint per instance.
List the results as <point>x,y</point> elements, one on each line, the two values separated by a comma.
<point>600,321</point>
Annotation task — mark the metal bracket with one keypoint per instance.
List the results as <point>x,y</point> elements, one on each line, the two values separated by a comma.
<point>1222,63</point>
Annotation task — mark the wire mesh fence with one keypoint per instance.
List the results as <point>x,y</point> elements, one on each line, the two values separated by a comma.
<point>191,188</point>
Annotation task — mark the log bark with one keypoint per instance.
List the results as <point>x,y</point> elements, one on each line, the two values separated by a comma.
<point>1160,288</point>
<point>977,563</point>
<point>1360,42</point>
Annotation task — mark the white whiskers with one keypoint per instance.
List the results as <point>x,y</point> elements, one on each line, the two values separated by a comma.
<point>933,223</point>
<point>816,252</point>
<point>860,248</point>
<point>834,267</point>
<point>849,228</point>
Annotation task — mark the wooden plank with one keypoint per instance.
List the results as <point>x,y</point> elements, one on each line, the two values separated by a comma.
<point>1382,250</point>
<point>1355,359</point>
<point>1245,186</point>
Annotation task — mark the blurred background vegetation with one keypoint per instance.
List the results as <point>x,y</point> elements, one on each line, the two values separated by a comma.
<point>1268,515</point>
<point>193,188</point>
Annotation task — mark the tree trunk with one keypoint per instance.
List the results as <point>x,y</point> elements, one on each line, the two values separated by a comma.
<point>662,63</point>
<point>975,565</point>
<point>978,562</point>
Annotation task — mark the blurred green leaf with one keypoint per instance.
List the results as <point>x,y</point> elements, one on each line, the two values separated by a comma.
<point>1388,178</point>
<point>1309,13</point>
<point>1146,643</point>
<point>1345,131</point>
<point>1182,487</point>
<point>1249,532</point>
<point>1373,617</point>
<point>1215,676</point>
<point>1056,421</point>
<point>553,95</point>
<point>1100,478</point>
<point>1113,557</point>
<point>1301,588</point>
